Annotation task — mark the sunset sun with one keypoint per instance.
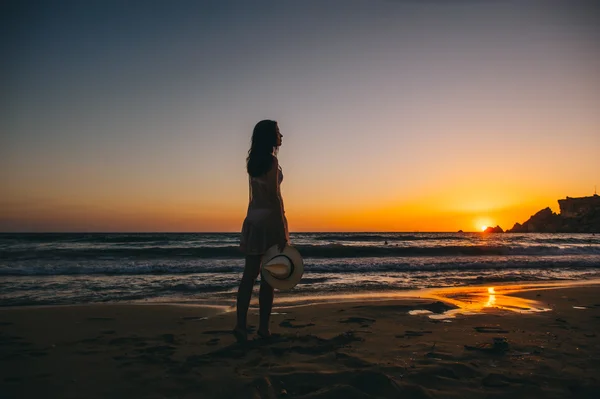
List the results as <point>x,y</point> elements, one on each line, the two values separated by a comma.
<point>482,223</point>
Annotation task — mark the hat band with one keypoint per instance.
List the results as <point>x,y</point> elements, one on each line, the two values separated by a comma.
<point>291,268</point>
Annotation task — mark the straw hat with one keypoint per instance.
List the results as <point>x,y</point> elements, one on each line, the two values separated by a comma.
<point>282,270</point>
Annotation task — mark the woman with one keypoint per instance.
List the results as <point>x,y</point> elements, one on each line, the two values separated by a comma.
<point>265,224</point>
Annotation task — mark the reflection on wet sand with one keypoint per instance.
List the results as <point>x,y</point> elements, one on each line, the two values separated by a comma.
<point>467,300</point>
<point>473,300</point>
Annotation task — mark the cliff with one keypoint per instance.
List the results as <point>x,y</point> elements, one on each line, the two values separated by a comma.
<point>577,215</point>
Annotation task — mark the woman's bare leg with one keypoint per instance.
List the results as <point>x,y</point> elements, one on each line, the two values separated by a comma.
<point>251,270</point>
<point>265,298</point>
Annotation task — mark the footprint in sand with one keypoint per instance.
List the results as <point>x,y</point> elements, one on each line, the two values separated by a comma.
<point>217,332</point>
<point>410,333</point>
<point>439,356</point>
<point>490,330</point>
<point>363,321</point>
<point>495,380</point>
<point>158,350</point>
<point>168,338</point>
<point>287,323</point>
<point>90,340</point>
<point>37,353</point>
<point>126,341</point>
<point>250,329</point>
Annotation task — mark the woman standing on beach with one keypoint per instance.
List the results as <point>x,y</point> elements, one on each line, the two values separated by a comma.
<point>265,224</point>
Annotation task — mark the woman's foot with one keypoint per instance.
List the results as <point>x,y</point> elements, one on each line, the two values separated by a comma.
<point>264,333</point>
<point>241,335</point>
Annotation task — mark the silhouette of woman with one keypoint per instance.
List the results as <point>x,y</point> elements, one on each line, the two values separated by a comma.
<point>265,224</point>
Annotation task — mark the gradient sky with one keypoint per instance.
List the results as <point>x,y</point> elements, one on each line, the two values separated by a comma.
<point>396,115</point>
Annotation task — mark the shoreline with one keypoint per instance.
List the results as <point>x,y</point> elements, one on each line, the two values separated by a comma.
<point>289,299</point>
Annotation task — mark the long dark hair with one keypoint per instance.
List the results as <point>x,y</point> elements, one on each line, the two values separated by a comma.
<point>264,144</point>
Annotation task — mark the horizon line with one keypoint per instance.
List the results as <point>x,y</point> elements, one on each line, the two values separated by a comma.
<point>234,232</point>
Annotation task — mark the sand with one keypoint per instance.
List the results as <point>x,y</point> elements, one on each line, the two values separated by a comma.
<point>351,349</point>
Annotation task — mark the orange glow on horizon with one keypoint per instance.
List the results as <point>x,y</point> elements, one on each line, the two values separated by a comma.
<point>196,212</point>
<point>179,216</point>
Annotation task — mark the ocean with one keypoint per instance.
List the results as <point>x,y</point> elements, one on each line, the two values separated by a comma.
<point>73,268</point>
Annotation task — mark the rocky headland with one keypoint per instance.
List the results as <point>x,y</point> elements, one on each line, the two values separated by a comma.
<point>577,215</point>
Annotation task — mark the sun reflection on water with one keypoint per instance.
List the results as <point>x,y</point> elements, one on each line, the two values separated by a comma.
<point>491,301</point>
<point>467,300</point>
<point>473,300</point>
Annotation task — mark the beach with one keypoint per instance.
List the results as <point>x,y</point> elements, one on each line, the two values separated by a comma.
<point>536,340</point>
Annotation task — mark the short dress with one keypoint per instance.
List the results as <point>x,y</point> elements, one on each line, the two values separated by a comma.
<point>260,228</point>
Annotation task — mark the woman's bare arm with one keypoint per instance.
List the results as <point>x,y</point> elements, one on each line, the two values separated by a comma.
<point>273,180</point>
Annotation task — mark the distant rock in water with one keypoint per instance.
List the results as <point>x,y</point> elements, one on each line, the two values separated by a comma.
<point>577,215</point>
<point>460,231</point>
<point>496,229</point>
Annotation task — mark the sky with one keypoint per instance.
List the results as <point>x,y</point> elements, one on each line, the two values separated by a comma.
<point>396,115</point>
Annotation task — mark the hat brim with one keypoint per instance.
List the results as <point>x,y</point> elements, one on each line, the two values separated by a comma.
<point>293,279</point>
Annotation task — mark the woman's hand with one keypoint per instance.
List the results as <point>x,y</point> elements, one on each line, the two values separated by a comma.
<point>283,241</point>
<point>282,238</point>
<point>282,244</point>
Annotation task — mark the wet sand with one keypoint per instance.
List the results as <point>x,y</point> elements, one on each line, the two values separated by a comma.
<point>473,342</point>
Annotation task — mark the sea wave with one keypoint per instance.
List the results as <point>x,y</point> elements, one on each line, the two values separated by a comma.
<point>308,251</point>
<point>312,266</point>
